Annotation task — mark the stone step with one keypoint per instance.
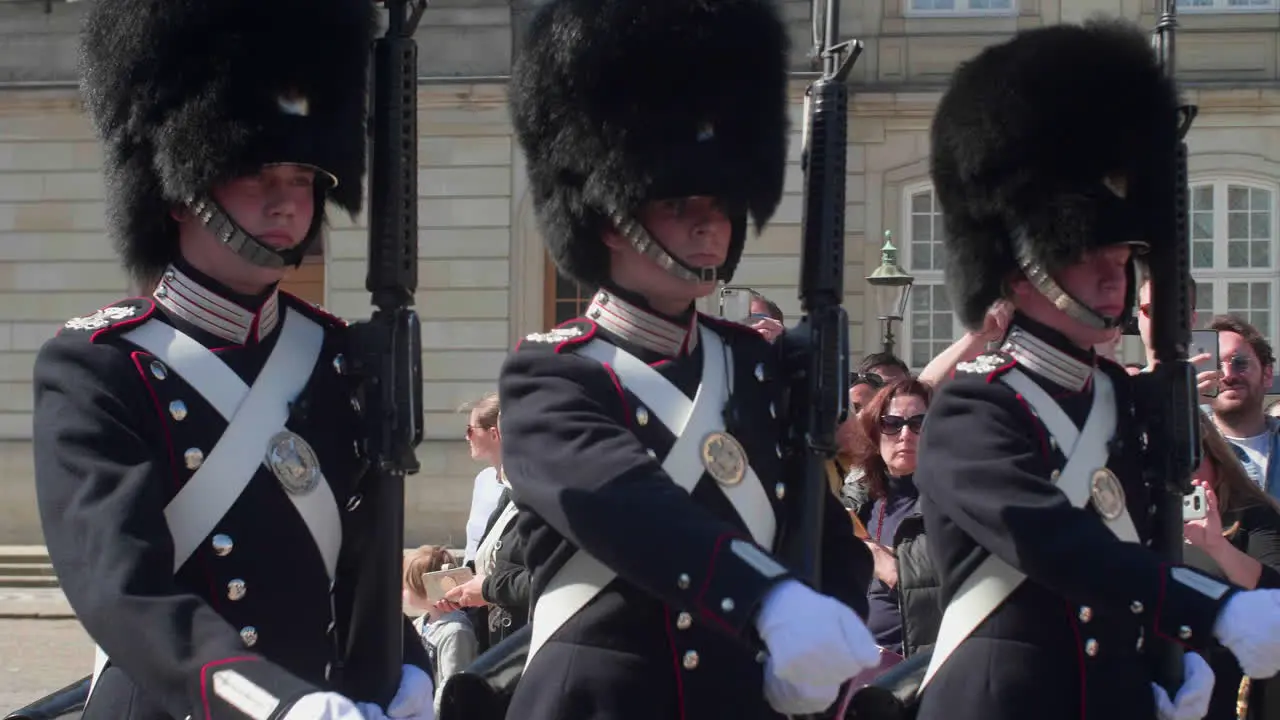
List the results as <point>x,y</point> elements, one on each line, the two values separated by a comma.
<point>26,570</point>
<point>28,581</point>
<point>23,554</point>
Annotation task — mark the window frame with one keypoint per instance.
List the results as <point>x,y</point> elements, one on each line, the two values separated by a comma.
<point>903,241</point>
<point>1221,7</point>
<point>909,11</point>
<point>1218,278</point>
<point>551,300</point>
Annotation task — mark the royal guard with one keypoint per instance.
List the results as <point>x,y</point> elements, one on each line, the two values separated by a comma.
<point>197,458</point>
<point>1047,162</point>
<point>643,440</point>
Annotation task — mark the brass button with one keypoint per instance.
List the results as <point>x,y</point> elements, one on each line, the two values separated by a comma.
<point>759,372</point>
<point>684,620</point>
<point>193,457</point>
<point>780,491</point>
<point>1086,613</point>
<point>642,416</point>
<point>157,370</point>
<point>727,605</point>
<point>1091,647</point>
<point>1135,607</point>
<point>178,410</point>
<point>1053,476</point>
<point>222,545</point>
<point>249,634</point>
<point>690,661</point>
<point>652,453</point>
<point>236,590</point>
<point>340,364</point>
<point>1184,632</point>
<point>683,581</point>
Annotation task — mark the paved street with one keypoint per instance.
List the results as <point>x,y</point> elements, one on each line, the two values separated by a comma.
<point>38,656</point>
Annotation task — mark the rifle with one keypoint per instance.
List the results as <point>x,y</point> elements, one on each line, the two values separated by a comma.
<point>386,354</point>
<point>1169,394</point>
<point>816,352</point>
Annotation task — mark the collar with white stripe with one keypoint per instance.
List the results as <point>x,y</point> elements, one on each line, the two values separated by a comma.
<point>207,309</point>
<point>642,326</point>
<point>1044,359</point>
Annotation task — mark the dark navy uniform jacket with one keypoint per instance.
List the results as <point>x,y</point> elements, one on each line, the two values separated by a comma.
<point>117,433</point>
<point>672,635</point>
<point>1072,641</point>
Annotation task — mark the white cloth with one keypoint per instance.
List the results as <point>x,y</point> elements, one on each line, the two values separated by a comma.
<point>330,706</point>
<point>1193,698</point>
<point>415,698</point>
<point>484,500</point>
<point>815,644</point>
<point>1249,626</point>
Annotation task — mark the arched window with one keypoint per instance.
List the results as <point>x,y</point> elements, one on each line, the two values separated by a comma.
<point>1233,250</point>
<point>930,326</point>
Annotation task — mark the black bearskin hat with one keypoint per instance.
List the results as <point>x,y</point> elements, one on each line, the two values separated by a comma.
<point>188,93</point>
<point>1054,136</point>
<point>617,102</point>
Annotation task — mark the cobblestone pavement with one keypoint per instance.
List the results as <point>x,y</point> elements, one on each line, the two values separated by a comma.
<point>39,656</point>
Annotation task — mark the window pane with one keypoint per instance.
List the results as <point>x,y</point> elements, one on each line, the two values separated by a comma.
<point>1261,320</point>
<point>930,322</point>
<point>1202,198</point>
<point>922,202</point>
<point>1260,253</point>
<point>1202,226</point>
<point>1260,225</point>
<point>1259,295</point>
<point>1204,303</point>
<point>1237,225</point>
<point>1202,254</point>
<point>1237,296</point>
<point>1237,197</point>
<point>1260,200</point>
<point>1237,254</point>
<point>921,354</point>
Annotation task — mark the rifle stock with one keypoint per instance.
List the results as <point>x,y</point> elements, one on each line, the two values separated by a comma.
<point>1169,392</point>
<point>386,355</point>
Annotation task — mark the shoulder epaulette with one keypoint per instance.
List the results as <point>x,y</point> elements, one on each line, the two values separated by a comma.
<point>112,318</point>
<point>312,310</point>
<point>989,365</point>
<point>559,338</point>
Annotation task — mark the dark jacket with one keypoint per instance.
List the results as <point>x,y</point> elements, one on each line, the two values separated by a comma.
<point>1259,538</point>
<point>506,589</point>
<point>918,584</point>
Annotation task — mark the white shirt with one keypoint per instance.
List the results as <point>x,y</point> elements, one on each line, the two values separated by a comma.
<point>484,500</point>
<point>1257,449</point>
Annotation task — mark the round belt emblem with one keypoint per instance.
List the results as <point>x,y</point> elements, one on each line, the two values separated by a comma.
<point>724,458</point>
<point>293,462</point>
<point>1106,494</point>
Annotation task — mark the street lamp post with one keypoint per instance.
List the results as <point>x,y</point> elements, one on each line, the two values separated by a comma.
<point>891,288</point>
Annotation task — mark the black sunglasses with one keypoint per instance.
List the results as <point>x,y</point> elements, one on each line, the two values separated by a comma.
<point>861,378</point>
<point>893,424</point>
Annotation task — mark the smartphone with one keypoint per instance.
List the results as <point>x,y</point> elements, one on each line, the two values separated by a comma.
<point>442,581</point>
<point>1194,505</point>
<point>735,303</point>
<point>1206,342</point>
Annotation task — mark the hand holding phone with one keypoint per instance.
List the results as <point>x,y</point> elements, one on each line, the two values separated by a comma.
<point>1204,345</point>
<point>1195,506</point>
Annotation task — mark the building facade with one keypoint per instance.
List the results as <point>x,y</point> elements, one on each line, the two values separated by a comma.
<point>484,279</point>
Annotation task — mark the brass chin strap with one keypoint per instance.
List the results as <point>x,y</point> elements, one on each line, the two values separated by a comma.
<point>646,245</point>
<point>1042,281</point>
<point>219,222</point>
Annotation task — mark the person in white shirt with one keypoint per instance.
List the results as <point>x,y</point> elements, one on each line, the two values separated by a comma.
<point>486,447</point>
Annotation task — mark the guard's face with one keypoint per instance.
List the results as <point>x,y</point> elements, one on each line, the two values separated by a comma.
<point>276,205</point>
<point>1245,381</point>
<point>696,230</point>
<point>1099,281</point>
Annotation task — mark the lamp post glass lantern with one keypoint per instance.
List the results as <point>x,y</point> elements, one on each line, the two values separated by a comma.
<point>891,288</point>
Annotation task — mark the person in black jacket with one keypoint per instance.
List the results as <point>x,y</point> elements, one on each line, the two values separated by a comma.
<point>643,441</point>
<point>1046,152</point>
<point>199,460</point>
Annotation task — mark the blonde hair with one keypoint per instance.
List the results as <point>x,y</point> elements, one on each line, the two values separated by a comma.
<point>1234,488</point>
<point>425,559</point>
<point>486,409</point>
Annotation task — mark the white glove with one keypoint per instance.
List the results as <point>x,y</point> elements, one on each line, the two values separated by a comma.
<point>415,698</point>
<point>331,706</point>
<point>814,641</point>
<point>797,698</point>
<point>1249,626</point>
<point>1193,698</point>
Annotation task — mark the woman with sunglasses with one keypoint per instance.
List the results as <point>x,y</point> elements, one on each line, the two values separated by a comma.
<point>903,596</point>
<point>1238,540</point>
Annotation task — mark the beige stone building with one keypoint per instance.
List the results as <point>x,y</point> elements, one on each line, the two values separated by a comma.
<point>484,278</point>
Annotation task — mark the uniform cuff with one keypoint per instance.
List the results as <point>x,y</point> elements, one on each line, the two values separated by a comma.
<point>244,687</point>
<point>1188,605</point>
<point>737,578</point>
